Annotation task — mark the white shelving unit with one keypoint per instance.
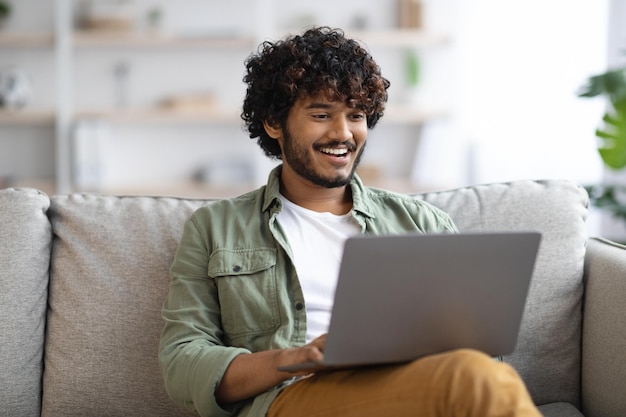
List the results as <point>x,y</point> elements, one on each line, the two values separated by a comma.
<point>67,44</point>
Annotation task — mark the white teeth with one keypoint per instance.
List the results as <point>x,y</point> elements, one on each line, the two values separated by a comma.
<point>334,151</point>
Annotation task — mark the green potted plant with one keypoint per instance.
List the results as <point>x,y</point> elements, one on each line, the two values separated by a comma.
<point>612,137</point>
<point>5,11</point>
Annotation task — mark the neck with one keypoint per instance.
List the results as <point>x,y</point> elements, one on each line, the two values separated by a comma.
<point>314,197</point>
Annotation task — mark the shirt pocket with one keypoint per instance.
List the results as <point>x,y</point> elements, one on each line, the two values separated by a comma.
<point>246,285</point>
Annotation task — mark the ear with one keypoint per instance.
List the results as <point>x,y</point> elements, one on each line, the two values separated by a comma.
<point>273,131</point>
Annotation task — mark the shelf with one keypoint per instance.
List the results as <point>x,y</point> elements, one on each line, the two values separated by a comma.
<point>156,115</point>
<point>393,114</point>
<point>45,185</point>
<point>26,117</point>
<point>104,39</point>
<point>25,39</point>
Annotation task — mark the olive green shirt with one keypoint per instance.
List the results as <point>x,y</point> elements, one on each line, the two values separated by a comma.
<point>234,288</point>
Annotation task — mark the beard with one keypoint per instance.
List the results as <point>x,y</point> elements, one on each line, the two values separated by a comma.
<point>300,161</point>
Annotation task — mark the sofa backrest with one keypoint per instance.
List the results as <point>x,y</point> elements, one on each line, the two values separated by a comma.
<point>25,236</point>
<point>548,353</point>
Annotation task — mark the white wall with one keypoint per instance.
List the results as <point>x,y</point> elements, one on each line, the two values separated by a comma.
<point>519,66</point>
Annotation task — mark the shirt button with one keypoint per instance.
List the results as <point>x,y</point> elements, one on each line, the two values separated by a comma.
<point>236,268</point>
<point>299,306</point>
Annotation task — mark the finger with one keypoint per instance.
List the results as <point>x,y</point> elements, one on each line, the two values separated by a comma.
<point>319,342</point>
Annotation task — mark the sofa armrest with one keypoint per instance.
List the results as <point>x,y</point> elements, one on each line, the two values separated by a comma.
<point>604,330</point>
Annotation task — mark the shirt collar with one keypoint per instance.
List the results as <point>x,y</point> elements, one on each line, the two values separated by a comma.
<point>272,188</point>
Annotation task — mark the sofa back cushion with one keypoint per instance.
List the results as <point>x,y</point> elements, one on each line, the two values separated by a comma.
<point>25,236</point>
<point>109,277</point>
<point>548,352</point>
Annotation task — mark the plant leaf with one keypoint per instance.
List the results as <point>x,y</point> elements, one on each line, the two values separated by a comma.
<point>613,137</point>
<point>612,84</point>
<point>609,198</point>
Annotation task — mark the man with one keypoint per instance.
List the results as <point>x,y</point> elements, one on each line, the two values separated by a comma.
<point>253,277</point>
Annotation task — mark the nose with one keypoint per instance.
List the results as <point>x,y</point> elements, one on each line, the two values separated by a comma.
<point>341,129</point>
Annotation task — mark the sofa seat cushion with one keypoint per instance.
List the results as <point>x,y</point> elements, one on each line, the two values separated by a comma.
<point>26,237</point>
<point>109,277</point>
<point>548,352</point>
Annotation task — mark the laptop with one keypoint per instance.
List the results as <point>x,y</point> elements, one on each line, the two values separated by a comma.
<point>402,297</point>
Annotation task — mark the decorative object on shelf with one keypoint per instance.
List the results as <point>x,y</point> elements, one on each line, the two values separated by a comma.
<point>154,19</point>
<point>412,77</point>
<point>88,168</point>
<point>612,135</point>
<point>359,22</point>
<point>410,14</point>
<point>5,12</point>
<point>107,15</point>
<point>121,72</point>
<point>15,88</point>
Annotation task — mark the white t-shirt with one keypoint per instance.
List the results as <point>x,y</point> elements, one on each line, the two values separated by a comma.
<point>316,241</point>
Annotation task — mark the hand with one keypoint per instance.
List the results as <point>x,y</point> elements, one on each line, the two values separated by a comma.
<point>311,352</point>
<point>250,374</point>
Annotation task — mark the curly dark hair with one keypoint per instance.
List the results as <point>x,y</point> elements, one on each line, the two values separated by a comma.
<point>320,60</point>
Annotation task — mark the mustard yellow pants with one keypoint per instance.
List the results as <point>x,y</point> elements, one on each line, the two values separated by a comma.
<point>459,383</point>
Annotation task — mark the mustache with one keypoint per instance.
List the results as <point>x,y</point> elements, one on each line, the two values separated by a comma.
<point>351,146</point>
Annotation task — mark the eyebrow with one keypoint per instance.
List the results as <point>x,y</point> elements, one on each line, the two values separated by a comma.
<point>318,105</point>
<point>323,105</point>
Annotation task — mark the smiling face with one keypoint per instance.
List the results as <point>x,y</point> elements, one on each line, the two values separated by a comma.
<point>322,141</point>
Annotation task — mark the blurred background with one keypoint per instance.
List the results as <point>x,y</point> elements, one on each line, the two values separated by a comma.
<point>144,96</point>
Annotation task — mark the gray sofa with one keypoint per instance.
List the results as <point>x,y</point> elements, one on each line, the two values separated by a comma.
<point>82,279</point>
